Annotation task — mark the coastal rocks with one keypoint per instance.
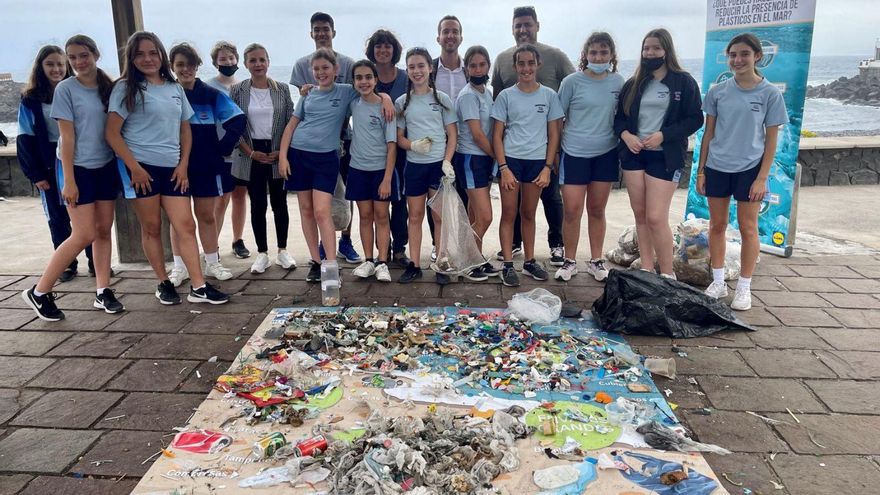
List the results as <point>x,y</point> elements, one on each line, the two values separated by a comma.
<point>855,90</point>
<point>10,96</point>
<point>835,167</point>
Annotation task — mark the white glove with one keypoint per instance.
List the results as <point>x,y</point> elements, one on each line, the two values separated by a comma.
<point>448,171</point>
<point>421,146</point>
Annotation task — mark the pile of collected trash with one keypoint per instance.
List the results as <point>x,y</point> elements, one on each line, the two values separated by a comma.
<point>568,389</point>
<point>691,252</point>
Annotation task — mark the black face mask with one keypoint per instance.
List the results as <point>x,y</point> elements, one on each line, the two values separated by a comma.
<point>479,80</point>
<point>227,70</point>
<point>653,64</point>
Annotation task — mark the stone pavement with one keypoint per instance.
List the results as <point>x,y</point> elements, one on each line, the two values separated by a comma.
<point>85,404</point>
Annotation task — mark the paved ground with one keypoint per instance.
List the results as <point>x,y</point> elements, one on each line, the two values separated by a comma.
<point>84,404</point>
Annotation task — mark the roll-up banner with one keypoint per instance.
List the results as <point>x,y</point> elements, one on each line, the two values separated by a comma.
<point>785,28</point>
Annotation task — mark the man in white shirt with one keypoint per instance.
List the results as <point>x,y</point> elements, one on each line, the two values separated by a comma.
<point>449,71</point>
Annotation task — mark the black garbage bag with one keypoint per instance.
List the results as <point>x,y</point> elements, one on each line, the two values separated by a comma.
<point>643,303</point>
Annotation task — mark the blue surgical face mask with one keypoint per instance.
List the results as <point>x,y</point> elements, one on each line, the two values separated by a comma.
<point>599,68</point>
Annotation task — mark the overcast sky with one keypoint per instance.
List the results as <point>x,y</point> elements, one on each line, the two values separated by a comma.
<point>843,27</point>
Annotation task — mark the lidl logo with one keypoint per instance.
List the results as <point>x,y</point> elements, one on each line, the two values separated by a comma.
<point>778,238</point>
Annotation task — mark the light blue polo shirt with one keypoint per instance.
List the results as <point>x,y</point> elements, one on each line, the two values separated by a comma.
<point>152,129</point>
<point>526,116</point>
<point>473,105</point>
<point>742,115</point>
<point>589,105</point>
<point>425,117</point>
<point>371,134</point>
<point>76,103</point>
<point>321,114</point>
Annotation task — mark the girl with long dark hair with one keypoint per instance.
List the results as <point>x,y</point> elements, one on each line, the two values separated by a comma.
<point>86,170</point>
<point>37,143</point>
<point>148,128</point>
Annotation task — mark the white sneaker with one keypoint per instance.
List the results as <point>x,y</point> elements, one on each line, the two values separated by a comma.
<point>717,289</point>
<point>285,260</point>
<point>597,269</point>
<point>217,270</point>
<point>382,273</point>
<point>261,263</point>
<point>669,276</point>
<point>433,254</point>
<point>365,270</point>
<point>742,300</point>
<point>178,275</point>
<point>568,270</point>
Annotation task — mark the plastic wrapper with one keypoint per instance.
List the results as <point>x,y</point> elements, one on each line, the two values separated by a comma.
<point>536,306</point>
<point>340,208</point>
<point>629,241</point>
<point>641,303</point>
<point>458,253</point>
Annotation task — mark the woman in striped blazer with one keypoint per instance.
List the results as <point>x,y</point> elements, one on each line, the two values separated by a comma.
<point>268,107</point>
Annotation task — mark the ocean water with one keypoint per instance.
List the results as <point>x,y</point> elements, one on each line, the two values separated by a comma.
<point>820,114</point>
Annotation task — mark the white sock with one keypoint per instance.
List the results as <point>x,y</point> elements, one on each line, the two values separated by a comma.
<point>744,283</point>
<point>212,257</point>
<point>100,291</point>
<point>718,275</point>
<point>38,293</point>
<point>178,262</point>
<point>200,287</point>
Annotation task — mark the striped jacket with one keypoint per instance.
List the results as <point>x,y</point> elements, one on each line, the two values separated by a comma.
<point>283,110</point>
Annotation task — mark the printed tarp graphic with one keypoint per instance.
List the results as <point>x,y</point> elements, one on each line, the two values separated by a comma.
<point>359,393</point>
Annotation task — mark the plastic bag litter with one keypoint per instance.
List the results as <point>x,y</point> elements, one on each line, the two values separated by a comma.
<point>642,303</point>
<point>665,438</point>
<point>649,474</point>
<point>340,208</point>
<point>536,306</point>
<point>458,253</point>
<point>691,262</point>
<point>620,257</point>
<point>627,249</point>
<point>629,240</point>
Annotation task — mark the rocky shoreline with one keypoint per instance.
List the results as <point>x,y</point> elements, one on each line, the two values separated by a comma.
<point>10,95</point>
<point>855,90</point>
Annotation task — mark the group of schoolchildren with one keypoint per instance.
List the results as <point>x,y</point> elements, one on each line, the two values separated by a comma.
<point>168,140</point>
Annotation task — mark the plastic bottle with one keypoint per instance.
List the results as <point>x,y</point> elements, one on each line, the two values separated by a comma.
<point>330,283</point>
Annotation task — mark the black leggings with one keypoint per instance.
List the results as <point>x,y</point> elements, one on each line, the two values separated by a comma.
<point>261,183</point>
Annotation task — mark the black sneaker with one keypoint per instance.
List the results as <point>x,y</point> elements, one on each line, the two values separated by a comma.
<point>207,294</point>
<point>477,275</point>
<point>557,256</point>
<point>67,275</point>
<point>411,273</point>
<point>517,251</point>
<point>509,276</point>
<point>314,275</point>
<point>442,279</point>
<point>535,269</point>
<point>490,270</point>
<point>43,305</point>
<point>401,259</point>
<point>166,293</point>
<point>239,250</point>
<point>108,302</point>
